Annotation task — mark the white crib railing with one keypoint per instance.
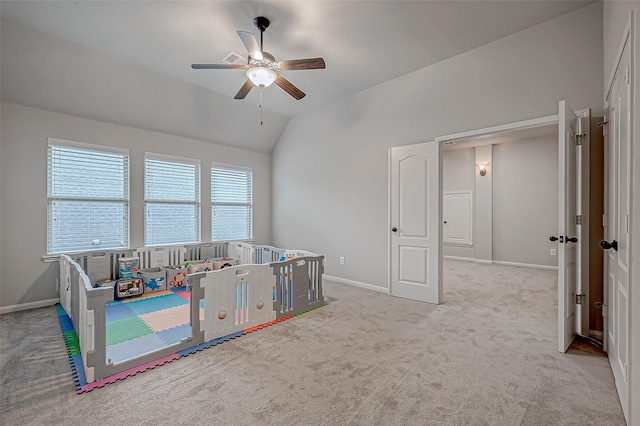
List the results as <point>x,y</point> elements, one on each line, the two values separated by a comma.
<point>202,251</point>
<point>151,257</point>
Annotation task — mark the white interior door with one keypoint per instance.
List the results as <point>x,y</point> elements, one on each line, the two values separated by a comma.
<point>414,197</point>
<point>568,247</point>
<point>457,223</point>
<point>617,216</point>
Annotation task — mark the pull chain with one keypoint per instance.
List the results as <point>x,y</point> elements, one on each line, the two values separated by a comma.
<point>260,104</point>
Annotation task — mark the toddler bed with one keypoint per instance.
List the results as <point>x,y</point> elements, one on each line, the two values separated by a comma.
<point>267,285</point>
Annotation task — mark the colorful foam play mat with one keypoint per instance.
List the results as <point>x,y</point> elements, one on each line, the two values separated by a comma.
<point>139,326</point>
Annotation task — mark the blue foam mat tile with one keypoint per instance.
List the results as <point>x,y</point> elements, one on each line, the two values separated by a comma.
<point>119,311</point>
<point>133,348</point>
<point>144,306</point>
<point>175,334</point>
<point>77,368</point>
<point>210,343</point>
<point>65,323</point>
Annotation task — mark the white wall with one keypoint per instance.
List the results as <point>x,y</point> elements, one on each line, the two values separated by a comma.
<point>330,166</point>
<point>24,278</point>
<point>615,17</point>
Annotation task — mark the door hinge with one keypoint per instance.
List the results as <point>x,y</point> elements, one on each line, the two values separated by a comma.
<point>579,299</point>
<point>604,311</point>
<point>579,139</point>
<point>578,219</point>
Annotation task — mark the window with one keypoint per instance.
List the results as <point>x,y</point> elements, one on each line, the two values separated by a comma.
<point>88,197</point>
<point>171,200</point>
<point>231,203</point>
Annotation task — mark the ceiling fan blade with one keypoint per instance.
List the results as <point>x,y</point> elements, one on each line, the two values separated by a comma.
<point>288,87</point>
<point>244,90</point>
<point>251,44</point>
<point>302,64</point>
<point>217,66</point>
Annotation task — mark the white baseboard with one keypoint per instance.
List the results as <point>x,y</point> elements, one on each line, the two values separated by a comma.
<point>468,259</point>
<point>384,290</point>
<point>527,265</point>
<point>30,305</point>
<point>500,262</point>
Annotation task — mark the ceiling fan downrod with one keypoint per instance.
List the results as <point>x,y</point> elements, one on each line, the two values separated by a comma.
<point>262,24</point>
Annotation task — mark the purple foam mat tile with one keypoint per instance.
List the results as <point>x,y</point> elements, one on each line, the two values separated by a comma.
<point>174,335</point>
<point>119,311</point>
<point>133,348</point>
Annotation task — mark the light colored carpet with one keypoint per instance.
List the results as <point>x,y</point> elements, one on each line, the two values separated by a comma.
<point>487,356</point>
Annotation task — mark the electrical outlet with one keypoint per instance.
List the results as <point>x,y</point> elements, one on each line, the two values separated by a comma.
<point>553,252</point>
<point>342,260</point>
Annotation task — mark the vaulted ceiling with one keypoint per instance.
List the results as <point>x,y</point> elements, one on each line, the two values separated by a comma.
<point>128,62</point>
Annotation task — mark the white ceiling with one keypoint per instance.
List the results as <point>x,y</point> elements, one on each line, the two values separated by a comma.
<point>364,43</point>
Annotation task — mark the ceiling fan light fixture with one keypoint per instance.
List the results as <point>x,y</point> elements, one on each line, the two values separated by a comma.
<point>261,77</point>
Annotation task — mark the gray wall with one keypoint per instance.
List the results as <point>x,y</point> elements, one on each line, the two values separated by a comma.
<point>330,167</point>
<point>525,201</point>
<point>24,278</point>
<point>515,204</point>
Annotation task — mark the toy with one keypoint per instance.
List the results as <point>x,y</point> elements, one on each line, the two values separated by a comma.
<point>125,288</point>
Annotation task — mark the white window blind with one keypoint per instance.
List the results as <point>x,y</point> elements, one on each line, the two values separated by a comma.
<point>172,200</point>
<point>88,197</point>
<point>231,203</point>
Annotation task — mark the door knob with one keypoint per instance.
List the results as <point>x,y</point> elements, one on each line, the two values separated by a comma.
<point>394,229</point>
<point>553,238</point>
<point>570,240</point>
<point>609,245</point>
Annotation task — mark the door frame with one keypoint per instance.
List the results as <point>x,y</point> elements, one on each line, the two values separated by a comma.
<point>523,125</point>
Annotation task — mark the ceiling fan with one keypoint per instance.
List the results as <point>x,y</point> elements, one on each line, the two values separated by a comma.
<point>262,67</point>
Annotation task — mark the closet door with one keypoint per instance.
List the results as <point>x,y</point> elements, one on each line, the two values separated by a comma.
<point>457,219</point>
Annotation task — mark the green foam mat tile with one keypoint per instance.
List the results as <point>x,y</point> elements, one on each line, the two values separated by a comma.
<point>71,340</point>
<point>126,329</point>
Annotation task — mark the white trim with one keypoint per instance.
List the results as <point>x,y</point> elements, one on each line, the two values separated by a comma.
<point>30,305</point>
<point>501,262</point>
<point>230,166</point>
<point>519,125</point>
<point>356,284</point>
<point>170,158</point>
<point>84,145</point>
<point>526,265</point>
<point>468,259</point>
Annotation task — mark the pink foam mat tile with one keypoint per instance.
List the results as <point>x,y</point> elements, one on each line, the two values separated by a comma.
<point>167,318</point>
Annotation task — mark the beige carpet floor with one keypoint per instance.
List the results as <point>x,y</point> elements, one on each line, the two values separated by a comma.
<point>486,356</point>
